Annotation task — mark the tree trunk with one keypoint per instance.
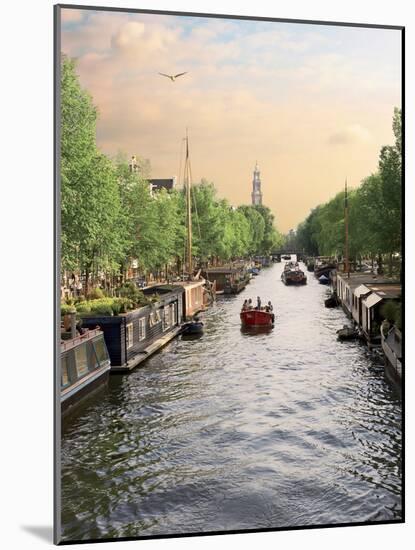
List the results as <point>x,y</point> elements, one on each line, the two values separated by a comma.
<point>86,282</point>
<point>380,266</point>
<point>390,264</point>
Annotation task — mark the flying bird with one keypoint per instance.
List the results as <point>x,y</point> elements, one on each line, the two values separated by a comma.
<point>172,76</point>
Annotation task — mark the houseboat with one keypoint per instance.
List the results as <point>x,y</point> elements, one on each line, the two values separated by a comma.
<point>134,336</point>
<point>263,261</point>
<point>193,297</point>
<point>352,288</point>
<point>85,365</point>
<point>372,310</point>
<point>324,267</point>
<point>229,279</point>
<point>293,275</point>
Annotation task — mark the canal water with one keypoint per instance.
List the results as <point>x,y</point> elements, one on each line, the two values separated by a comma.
<point>238,430</point>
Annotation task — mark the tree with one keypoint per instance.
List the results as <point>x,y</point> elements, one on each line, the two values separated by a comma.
<point>271,239</point>
<point>256,228</point>
<point>90,202</point>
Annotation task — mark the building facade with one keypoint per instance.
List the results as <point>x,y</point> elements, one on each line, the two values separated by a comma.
<point>256,187</point>
<point>154,184</point>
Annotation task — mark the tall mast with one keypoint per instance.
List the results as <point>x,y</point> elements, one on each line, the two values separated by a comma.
<point>346,228</point>
<point>189,208</point>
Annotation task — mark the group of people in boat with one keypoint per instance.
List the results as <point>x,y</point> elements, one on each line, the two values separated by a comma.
<point>249,305</point>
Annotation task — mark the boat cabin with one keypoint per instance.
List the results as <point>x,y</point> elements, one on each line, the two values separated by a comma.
<point>84,367</point>
<point>229,280</point>
<point>132,337</point>
<point>347,284</point>
<point>371,307</point>
<point>193,301</point>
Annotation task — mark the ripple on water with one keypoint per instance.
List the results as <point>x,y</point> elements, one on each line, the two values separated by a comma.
<point>238,431</point>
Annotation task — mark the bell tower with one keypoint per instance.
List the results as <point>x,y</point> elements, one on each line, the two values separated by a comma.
<point>256,186</point>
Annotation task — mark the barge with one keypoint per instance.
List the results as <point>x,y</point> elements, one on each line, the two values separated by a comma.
<point>293,275</point>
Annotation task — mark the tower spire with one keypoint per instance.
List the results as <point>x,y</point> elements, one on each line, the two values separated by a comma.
<point>256,194</point>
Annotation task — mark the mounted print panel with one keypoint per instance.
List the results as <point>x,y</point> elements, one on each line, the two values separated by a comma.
<point>229,282</point>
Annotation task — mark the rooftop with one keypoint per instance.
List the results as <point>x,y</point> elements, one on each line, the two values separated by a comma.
<point>367,279</point>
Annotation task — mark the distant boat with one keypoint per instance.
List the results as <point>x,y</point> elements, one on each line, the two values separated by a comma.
<point>323,280</point>
<point>293,275</point>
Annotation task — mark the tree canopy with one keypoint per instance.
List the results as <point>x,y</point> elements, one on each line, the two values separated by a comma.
<point>374,212</point>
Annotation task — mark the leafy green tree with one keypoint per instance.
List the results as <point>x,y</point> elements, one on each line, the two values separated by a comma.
<point>272,239</point>
<point>90,202</point>
<point>256,228</point>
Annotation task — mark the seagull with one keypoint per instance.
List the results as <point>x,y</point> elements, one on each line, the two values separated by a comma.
<point>171,76</point>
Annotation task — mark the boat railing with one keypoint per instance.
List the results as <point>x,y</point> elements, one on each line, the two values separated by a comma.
<point>87,335</point>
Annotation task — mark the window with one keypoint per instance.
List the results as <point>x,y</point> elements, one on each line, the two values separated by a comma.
<point>166,318</point>
<point>64,371</point>
<point>101,350</point>
<point>81,361</point>
<point>129,335</point>
<point>93,362</point>
<point>154,318</point>
<point>141,329</point>
<point>174,313</point>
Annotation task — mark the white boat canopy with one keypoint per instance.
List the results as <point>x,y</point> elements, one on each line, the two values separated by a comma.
<point>360,290</point>
<point>372,300</point>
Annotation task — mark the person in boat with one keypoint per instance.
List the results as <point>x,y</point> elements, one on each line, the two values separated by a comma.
<point>250,303</point>
<point>269,307</point>
<point>258,301</point>
<point>245,305</point>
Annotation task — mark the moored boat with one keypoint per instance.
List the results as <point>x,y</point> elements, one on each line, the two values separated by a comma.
<point>193,327</point>
<point>230,279</point>
<point>347,333</point>
<point>331,301</point>
<point>323,280</point>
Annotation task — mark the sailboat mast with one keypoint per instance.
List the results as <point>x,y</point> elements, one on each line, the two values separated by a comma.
<point>189,209</point>
<point>346,228</point>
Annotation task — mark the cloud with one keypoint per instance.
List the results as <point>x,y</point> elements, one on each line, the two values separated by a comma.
<point>138,41</point>
<point>352,134</point>
<point>69,15</point>
<point>277,96</point>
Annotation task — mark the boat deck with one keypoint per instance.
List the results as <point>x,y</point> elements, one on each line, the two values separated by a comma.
<point>146,353</point>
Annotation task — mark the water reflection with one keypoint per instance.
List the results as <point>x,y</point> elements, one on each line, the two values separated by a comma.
<point>239,430</point>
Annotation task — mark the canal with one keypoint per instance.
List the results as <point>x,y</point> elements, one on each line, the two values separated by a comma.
<point>239,431</point>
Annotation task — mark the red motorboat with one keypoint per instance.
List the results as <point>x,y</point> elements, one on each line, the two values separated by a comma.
<point>257,318</point>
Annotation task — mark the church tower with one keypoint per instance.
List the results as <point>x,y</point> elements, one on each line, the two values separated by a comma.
<point>256,187</point>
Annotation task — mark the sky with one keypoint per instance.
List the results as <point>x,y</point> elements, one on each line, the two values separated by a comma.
<point>312,104</point>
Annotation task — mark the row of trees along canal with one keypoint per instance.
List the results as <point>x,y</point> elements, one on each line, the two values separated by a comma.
<point>109,217</point>
<point>374,210</point>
